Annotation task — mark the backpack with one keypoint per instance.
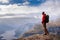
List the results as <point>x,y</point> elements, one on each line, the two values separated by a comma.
<point>47,18</point>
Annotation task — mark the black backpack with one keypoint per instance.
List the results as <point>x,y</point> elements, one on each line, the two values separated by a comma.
<point>47,18</point>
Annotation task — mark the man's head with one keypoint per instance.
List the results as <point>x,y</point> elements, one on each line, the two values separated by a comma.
<point>43,13</point>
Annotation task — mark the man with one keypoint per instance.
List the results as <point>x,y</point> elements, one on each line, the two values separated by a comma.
<point>44,23</point>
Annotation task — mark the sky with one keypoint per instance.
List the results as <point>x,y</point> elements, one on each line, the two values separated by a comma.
<point>26,8</point>
<point>20,6</point>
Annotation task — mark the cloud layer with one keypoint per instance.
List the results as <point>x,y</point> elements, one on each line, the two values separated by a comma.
<point>9,35</point>
<point>51,7</point>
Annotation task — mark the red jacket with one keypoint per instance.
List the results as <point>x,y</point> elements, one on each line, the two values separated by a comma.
<point>43,18</point>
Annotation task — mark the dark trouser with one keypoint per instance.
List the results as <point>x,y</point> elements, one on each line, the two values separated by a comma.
<point>45,29</point>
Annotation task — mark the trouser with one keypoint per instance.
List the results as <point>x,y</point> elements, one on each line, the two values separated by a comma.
<point>45,29</point>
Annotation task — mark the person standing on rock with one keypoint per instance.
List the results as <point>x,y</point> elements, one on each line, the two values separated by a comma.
<point>45,19</point>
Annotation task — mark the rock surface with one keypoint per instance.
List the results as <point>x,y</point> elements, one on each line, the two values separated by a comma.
<point>41,37</point>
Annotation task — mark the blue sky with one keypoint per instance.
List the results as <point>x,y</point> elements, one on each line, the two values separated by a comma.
<point>31,2</point>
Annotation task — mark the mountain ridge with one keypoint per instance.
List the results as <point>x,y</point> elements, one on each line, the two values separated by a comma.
<point>41,37</point>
